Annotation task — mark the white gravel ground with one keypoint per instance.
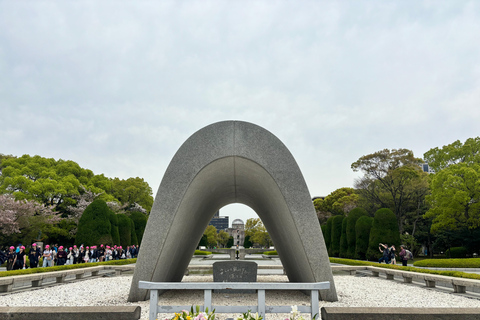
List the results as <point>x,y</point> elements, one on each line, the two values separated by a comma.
<point>352,292</point>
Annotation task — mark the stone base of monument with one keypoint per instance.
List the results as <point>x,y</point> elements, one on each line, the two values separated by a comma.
<point>235,271</point>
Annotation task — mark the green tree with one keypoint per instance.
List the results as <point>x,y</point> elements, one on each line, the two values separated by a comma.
<point>247,243</point>
<point>336,234</point>
<point>384,230</point>
<point>211,233</point>
<point>222,238</point>
<point>230,242</point>
<point>454,153</point>
<point>455,198</point>
<point>351,220</point>
<point>455,187</point>
<point>322,214</point>
<point>362,236</point>
<point>340,201</point>
<point>257,232</point>
<point>392,179</point>
<point>262,237</point>
<point>131,191</point>
<point>343,240</point>
<point>252,225</point>
<point>203,241</point>
<point>94,226</point>
<point>51,182</point>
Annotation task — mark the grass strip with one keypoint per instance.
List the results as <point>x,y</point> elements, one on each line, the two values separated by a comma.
<point>457,274</point>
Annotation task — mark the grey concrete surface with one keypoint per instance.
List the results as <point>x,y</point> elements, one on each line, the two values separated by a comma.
<point>348,313</point>
<point>71,313</point>
<point>232,162</point>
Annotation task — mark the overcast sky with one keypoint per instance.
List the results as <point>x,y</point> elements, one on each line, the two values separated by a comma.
<point>118,86</point>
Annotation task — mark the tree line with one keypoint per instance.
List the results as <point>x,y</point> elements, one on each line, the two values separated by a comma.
<point>438,210</point>
<point>43,199</point>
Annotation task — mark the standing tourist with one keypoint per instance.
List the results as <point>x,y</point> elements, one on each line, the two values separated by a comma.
<point>393,260</point>
<point>61,256</point>
<point>386,253</point>
<point>86,254</point>
<point>20,259</point>
<point>76,252</point>
<point>47,257</point>
<point>121,253</point>
<point>101,253</point>
<point>70,256</point>
<point>34,255</point>
<point>11,258</point>
<point>403,256</point>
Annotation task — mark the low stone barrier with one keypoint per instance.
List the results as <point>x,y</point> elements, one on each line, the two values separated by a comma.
<point>348,313</point>
<point>36,279</point>
<point>459,285</point>
<point>71,313</point>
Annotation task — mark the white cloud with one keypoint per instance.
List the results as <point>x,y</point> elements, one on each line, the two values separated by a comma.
<point>118,86</point>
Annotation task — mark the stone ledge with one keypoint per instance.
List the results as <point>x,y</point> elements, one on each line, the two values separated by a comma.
<point>346,313</point>
<point>71,313</point>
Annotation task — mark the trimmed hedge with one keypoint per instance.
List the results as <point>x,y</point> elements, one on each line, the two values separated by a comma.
<point>271,253</point>
<point>125,230</point>
<point>202,253</point>
<point>114,231</point>
<point>65,267</point>
<point>362,234</point>
<point>140,221</point>
<point>133,234</point>
<point>384,230</point>
<point>336,234</point>
<point>456,274</point>
<point>352,218</point>
<point>457,252</point>
<point>327,235</point>
<point>94,225</point>
<point>343,240</point>
<point>449,263</point>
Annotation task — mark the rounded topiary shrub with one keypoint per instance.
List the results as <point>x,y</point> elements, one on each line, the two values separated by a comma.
<point>343,240</point>
<point>336,235</point>
<point>94,226</point>
<point>384,230</point>
<point>133,235</point>
<point>456,252</point>
<point>114,232</point>
<point>362,236</point>
<point>352,218</point>
<point>327,235</point>
<point>140,221</point>
<point>124,229</point>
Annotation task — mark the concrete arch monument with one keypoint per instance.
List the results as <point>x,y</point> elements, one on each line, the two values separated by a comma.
<point>223,163</point>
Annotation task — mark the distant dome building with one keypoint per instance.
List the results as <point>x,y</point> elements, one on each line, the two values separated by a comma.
<point>237,231</point>
<point>238,222</point>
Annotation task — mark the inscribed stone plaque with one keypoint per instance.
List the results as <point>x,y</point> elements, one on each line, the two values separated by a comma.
<point>235,271</point>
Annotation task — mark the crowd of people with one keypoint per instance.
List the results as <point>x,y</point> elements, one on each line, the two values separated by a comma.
<point>389,254</point>
<point>16,257</point>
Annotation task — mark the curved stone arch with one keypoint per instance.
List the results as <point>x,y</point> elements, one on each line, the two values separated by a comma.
<point>223,163</point>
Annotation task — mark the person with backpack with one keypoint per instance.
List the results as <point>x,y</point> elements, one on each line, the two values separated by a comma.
<point>403,256</point>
